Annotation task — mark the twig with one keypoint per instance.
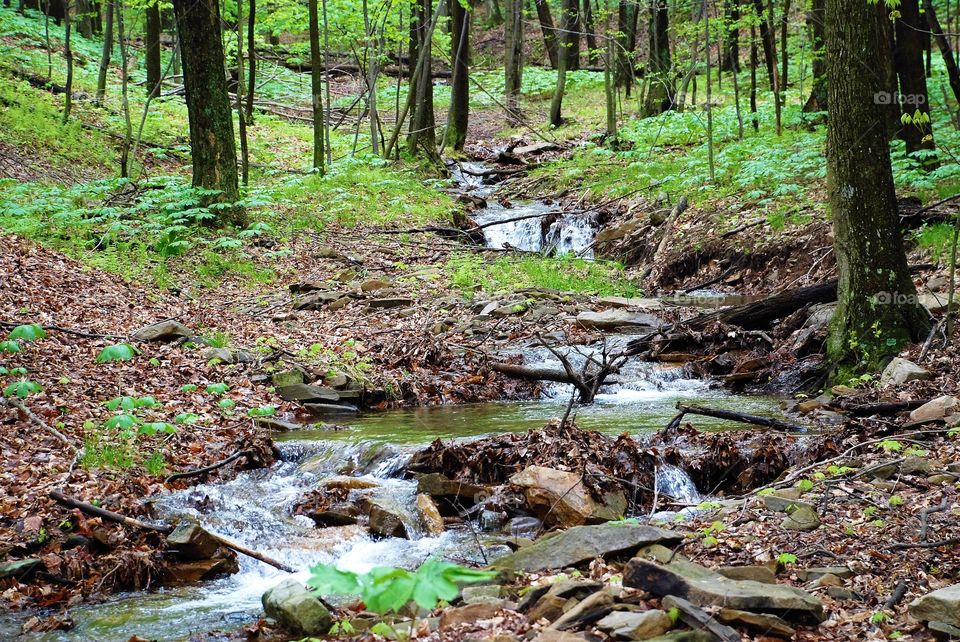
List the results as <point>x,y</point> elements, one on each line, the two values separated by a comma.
<point>897,596</point>
<point>16,403</point>
<point>925,514</point>
<point>207,469</point>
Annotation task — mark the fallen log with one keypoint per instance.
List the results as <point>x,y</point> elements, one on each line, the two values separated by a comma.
<point>166,529</point>
<point>730,415</point>
<point>538,373</point>
<point>881,408</point>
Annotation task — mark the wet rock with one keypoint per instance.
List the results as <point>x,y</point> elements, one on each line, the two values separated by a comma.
<point>758,573</point>
<point>560,498</point>
<point>591,609</point>
<point>429,515</point>
<point>388,303</point>
<point>324,409</point>
<point>760,622</point>
<point>935,410</point>
<point>808,406</point>
<point>192,542</point>
<point>704,587</point>
<point>692,615</point>
<point>196,570</point>
<point>296,610</point>
<point>386,520</point>
<point>168,330</point>
<point>942,605</point>
<point>479,594</point>
<point>626,625</point>
<point>617,318</point>
<point>305,393</point>
<point>440,486</point>
<point>900,371</point>
<point>337,515</point>
<point>279,425</point>
<point>348,482</point>
<point>19,568</point>
<point>583,543</point>
<point>468,614</point>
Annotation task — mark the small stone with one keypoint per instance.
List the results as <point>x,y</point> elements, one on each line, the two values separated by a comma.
<point>826,580</point>
<point>644,625</point>
<point>946,631</point>
<point>385,521</point>
<point>757,573</point>
<point>935,409</point>
<point>779,502</point>
<point>191,572</point>
<point>939,480</point>
<point>429,515</point>
<point>617,318</point>
<point>348,482</point>
<point>468,614</point>
<point>305,393</point>
<point>375,284</point>
<point>803,518</point>
<point>842,594</point>
<point>585,611</point>
<point>841,390</point>
<point>763,623</point>
<point>816,572</point>
<point>935,303</point>
<point>192,542</point>
<point>386,304</point>
<point>438,485</point>
<point>286,378</point>
<point>296,609</point>
<point>900,371</point>
<point>548,607</point>
<point>337,304</point>
<point>478,594</point>
<point>168,330</point>
<point>939,606</point>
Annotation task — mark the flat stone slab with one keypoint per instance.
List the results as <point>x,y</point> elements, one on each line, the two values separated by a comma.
<point>617,318</point>
<point>942,605</point>
<point>583,543</point>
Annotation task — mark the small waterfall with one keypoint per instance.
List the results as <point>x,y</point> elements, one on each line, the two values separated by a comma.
<point>572,235</point>
<point>523,234</point>
<point>675,483</point>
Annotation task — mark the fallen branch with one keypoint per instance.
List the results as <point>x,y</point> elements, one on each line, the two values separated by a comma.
<point>16,403</point>
<point>207,469</point>
<point>166,529</point>
<point>731,415</point>
<point>953,541</point>
<point>535,373</point>
<point>881,408</point>
<point>925,516</point>
<point>897,596</point>
<point>75,332</point>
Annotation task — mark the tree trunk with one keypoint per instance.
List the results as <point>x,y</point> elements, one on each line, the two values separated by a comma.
<point>373,54</point>
<point>84,23</point>
<point>252,55</point>
<point>908,58</point>
<point>548,29</point>
<point>877,312</point>
<point>241,121</point>
<point>316,86</point>
<point>593,55</point>
<point>570,23</point>
<point>212,145</point>
<point>784,58</point>
<point>660,94</point>
<point>107,51</point>
<point>883,63</point>
<point>556,105</point>
<point>766,39</point>
<point>124,93</point>
<point>953,73</point>
<point>153,47</point>
<point>422,122</point>
<point>624,75</point>
<point>68,55</point>
<point>460,82</point>
<point>754,59</point>
<point>818,93</point>
<point>494,14</point>
<point>730,59</point>
<point>513,59</point>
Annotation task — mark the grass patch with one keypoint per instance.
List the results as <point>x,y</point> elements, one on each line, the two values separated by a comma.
<point>936,240</point>
<point>471,273</point>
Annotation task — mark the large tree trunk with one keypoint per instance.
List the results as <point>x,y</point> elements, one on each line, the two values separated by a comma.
<point>818,93</point>
<point>83,18</point>
<point>460,82</point>
<point>766,39</point>
<point>107,51</point>
<point>877,311</point>
<point>624,71</point>
<point>593,55</point>
<point>252,55</point>
<point>908,58</point>
<point>422,122</point>
<point>660,94</point>
<point>570,23</point>
<point>953,72</point>
<point>548,29</point>
<point>513,59</point>
<point>316,86</point>
<point>212,145</point>
<point>153,48</point>
<point>730,59</point>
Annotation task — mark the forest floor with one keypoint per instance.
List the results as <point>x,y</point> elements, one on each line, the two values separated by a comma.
<point>390,317</point>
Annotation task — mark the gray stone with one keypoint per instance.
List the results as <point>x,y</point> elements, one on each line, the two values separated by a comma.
<point>583,543</point>
<point>693,616</point>
<point>939,606</point>
<point>816,572</point>
<point>626,625</point>
<point>305,393</point>
<point>688,635</point>
<point>438,485</point>
<point>478,594</point>
<point>429,515</point>
<point>287,378</point>
<point>322,409</point>
<point>935,303</point>
<point>778,503</point>
<point>801,518</point>
<point>469,614</point>
<point>19,568</point>
<point>192,542</point>
<point>944,631</point>
<point>935,409</point>
<point>317,300</point>
<point>758,573</point>
<point>704,587</point>
<point>296,610</point>
<point>900,371</point>
<point>842,594</point>
<point>761,622</point>
<point>593,607</point>
<point>913,465</point>
<point>617,318</point>
<point>387,303</point>
<point>168,330</point>
<point>385,520</point>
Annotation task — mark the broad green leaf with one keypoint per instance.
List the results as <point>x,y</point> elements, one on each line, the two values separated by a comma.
<point>29,332</point>
<point>22,389</point>
<point>121,403</point>
<point>327,579</point>
<point>262,411</point>
<point>9,346</point>
<point>117,352</point>
<point>388,589</point>
<point>217,388</point>
<point>121,422</point>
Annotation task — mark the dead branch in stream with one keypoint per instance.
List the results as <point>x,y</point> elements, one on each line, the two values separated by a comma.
<point>730,415</point>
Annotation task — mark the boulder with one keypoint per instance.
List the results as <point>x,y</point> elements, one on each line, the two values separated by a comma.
<point>296,609</point>
<point>560,498</point>
<point>305,393</point>
<point>628,625</point>
<point>548,607</point>
<point>801,518</point>
<point>168,330</point>
<point>429,515</point>
<point>591,609</point>
<point>942,605</point>
<point>617,318</point>
<point>900,371</point>
<point>704,587</point>
<point>386,519</point>
<point>935,410</point>
<point>192,542</point>
<point>584,543</point>
<point>760,622</point>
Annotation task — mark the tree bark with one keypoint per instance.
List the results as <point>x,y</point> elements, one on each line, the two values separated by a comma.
<point>908,58</point>
<point>754,59</point>
<point>212,145</point>
<point>422,121</point>
<point>107,51</point>
<point>818,92</point>
<point>84,23</point>
<point>316,86</point>
<point>570,23</point>
<point>68,55</point>
<point>241,121</point>
<point>766,39</point>
<point>152,11</point>
<point>590,28</point>
<point>252,55</point>
<point>513,59</point>
<point>556,105</point>
<point>877,312</point>
<point>730,60</point>
<point>660,94</point>
<point>548,29</point>
<point>624,71</point>
<point>460,83</point>
<point>953,72</point>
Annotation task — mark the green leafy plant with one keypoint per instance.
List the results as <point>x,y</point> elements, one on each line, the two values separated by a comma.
<point>262,411</point>
<point>217,388</point>
<point>22,389</point>
<point>27,333</point>
<point>805,485</point>
<point>387,589</point>
<point>117,352</point>
<point>9,346</point>
<point>786,558</point>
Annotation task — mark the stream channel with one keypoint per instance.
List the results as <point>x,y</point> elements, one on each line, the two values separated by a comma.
<point>255,508</point>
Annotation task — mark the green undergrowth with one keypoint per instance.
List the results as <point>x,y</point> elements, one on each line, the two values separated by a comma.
<point>471,273</point>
